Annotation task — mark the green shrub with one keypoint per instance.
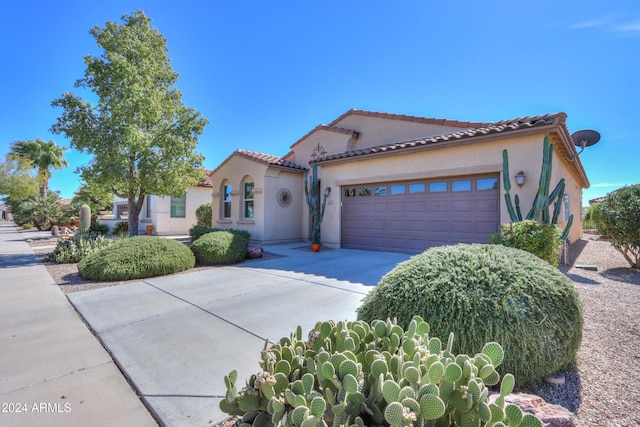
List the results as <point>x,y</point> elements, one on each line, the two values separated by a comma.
<point>221,247</point>
<point>77,247</point>
<point>357,374</point>
<point>204,215</point>
<point>618,216</point>
<point>121,229</point>
<point>98,228</point>
<point>487,293</point>
<point>27,226</point>
<point>198,231</point>
<point>540,239</point>
<point>137,258</point>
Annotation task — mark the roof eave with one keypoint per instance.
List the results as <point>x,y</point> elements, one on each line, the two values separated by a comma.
<point>568,150</point>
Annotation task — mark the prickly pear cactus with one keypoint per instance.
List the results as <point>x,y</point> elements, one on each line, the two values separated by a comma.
<point>358,374</point>
<point>85,218</point>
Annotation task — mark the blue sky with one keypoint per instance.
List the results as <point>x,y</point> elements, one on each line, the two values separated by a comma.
<point>265,73</point>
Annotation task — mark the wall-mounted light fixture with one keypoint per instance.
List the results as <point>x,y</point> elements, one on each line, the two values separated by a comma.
<point>327,191</point>
<point>520,177</point>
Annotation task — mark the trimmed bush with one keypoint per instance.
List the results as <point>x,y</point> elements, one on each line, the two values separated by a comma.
<point>198,231</point>
<point>221,247</point>
<point>618,216</point>
<point>540,239</point>
<point>137,258</point>
<point>121,229</point>
<point>204,215</point>
<point>485,293</point>
<point>77,247</point>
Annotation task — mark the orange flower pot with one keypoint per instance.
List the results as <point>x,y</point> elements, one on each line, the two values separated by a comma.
<point>315,247</point>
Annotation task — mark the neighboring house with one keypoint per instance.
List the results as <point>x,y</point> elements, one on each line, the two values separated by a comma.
<point>397,183</point>
<point>168,215</point>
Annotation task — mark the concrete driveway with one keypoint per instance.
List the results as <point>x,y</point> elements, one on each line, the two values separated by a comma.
<point>175,337</point>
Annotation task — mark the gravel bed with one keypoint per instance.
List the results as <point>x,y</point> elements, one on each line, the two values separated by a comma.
<point>603,389</point>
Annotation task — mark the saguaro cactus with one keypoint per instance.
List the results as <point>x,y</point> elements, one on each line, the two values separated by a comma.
<point>543,200</point>
<point>85,218</point>
<point>311,192</point>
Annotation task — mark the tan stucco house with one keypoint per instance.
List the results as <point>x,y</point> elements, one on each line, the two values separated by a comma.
<point>395,182</point>
<point>168,215</point>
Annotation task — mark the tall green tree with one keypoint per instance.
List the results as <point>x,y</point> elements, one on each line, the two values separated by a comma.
<point>141,136</point>
<point>16,179</point>
<point>42,155</point>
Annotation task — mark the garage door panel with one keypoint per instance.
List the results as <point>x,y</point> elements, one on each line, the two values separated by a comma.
<point>461,226</point>
<point>461,206</point>
<point>381,207</point>
<point>397,224</point>
<point>437,206</point>
<point>486,206</point>
<point>365,225</point>
<point>379,224</point>
<point>486,227</point>
<point>437,226</point>
<point>416,225</point>
<point>414,221</point>
<point>416,206</point>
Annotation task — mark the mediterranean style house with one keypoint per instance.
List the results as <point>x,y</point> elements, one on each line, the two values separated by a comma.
<point>397,183</point>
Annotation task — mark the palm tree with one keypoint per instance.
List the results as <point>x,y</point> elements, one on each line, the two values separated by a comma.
<point>43,155</point>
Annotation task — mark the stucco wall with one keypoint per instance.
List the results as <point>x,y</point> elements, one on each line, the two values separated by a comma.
<point>271,222</point>
<point>376,131</point>
<point>235,171</point>
<point>525,153</point>
<point>161,212</point>
<point>284,223</point>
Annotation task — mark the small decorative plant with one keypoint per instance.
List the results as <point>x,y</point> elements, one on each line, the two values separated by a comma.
<point>357,374</point>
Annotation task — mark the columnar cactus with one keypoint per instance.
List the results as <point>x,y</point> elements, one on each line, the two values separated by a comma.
<point>85,218</point>
<point>311,192</point>
<point>355,374</point>
<point>543,201</point>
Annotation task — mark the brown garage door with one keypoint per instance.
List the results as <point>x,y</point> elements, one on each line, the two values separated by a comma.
<point>414,215</point>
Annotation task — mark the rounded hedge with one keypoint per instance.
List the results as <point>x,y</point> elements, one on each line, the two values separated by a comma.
<point>221,247</point>
<point>137,258</point>
<point>486,293</point>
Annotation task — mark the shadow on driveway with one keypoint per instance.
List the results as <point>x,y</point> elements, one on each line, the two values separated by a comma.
<point>351,265</point>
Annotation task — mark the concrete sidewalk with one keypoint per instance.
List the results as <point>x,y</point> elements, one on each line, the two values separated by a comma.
<point>53,371</point>
<point>176,336</point>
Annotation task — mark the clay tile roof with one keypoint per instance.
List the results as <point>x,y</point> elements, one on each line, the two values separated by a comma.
<point>269,159</point>
<point>329,128</point>
<point>477,129</point>
<point>207,179</point>
<point>426,120</point>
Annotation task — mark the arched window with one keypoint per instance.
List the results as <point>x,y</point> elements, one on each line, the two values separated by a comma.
<point>225,197</point>
<point>247,197</point>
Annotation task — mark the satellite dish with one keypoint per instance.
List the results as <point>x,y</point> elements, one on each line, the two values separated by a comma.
<point>585,138</point>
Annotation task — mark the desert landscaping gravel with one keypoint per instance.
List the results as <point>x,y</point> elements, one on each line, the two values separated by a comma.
<point>604,388</point>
